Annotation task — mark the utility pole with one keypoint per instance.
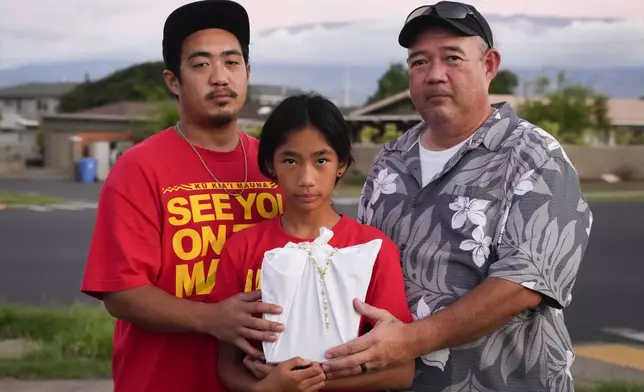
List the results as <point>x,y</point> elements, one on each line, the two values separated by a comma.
<point>347,99</point>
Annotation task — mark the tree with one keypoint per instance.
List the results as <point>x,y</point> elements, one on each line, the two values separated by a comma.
<point>163,115</point>
<point>600,116</point>
<point>393,81</point>
<point>139,82</point>
<point>505,82</point>
<point>569,112</point>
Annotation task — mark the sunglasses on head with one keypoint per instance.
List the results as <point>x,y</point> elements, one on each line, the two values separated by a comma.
<point>448,10</point>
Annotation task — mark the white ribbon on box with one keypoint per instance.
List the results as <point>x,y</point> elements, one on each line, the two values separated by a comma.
<point>291,280</point>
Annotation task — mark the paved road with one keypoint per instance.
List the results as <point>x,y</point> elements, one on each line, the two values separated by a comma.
<point>42,256</point>
<point>63,189</point>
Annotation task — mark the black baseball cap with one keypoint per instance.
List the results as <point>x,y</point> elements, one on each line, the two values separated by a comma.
<point>205,14</point>
<point>464,18</point>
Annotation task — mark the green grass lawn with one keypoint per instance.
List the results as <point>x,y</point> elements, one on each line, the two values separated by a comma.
<point>14,198</point>
<point>69,343</point>
<point>76,343</point>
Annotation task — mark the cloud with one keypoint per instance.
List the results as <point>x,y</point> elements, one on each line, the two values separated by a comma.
<point>523,41</point>
<point>585,44</point>
<point>81,29</point>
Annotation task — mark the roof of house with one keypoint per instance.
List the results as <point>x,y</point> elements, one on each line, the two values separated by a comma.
<point>347,110</point>
<point>250,111</point>
<point>623,112</point>
<point>123,108</point>
<point>36,90</point>
<point>15,122</point>
<point>255,111</point>
<point>383,103</point>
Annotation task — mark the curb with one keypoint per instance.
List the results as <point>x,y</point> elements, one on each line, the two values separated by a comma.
<point>68,206</point>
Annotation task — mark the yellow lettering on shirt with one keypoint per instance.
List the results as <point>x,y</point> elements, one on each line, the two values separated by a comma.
<point>218,207</point>
<point>212,212</point>
<point>196,282</point>
<point>253,277</point>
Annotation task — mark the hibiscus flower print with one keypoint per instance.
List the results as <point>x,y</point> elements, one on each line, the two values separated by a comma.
<point>467,209</point>
<point>479,245</point>
<point>384,183</point>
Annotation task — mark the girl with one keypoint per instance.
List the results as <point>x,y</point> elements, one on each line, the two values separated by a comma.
<point>306,149</point>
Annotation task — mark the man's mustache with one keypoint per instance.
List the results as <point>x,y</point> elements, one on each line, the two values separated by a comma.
<point>230,92</point>
<point>436,92</point>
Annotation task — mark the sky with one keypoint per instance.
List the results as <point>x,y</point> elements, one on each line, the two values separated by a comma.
<point>42,31</point>
<point>267,13</point>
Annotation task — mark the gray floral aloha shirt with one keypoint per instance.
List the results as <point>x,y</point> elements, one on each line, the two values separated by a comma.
<point>507,205</point>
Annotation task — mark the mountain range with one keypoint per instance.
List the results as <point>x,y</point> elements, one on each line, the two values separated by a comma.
<point>333,58</point>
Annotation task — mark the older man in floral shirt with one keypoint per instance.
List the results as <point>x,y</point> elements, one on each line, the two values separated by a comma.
<point>490,220</point>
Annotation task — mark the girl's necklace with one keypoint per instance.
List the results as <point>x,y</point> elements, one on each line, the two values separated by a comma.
<point>321,273</point>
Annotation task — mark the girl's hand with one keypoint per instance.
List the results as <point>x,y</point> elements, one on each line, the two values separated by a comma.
<point>294,375</point>
<point>258,368</point>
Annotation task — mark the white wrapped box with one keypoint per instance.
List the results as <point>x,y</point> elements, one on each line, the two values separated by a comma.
<point>315,284</point>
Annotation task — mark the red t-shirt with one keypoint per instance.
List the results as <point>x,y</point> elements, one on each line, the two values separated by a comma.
<point>242,257</point>
<point>163,220</point>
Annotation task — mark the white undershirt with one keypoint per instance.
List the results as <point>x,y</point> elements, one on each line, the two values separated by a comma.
<point>433,162</point>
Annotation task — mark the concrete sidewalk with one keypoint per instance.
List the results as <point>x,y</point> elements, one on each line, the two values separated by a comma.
<point>584,370</point>
<point>56,386</point>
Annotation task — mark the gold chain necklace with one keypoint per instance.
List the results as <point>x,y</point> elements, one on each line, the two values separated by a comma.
<point>321,272</point>
<point>178,128</point>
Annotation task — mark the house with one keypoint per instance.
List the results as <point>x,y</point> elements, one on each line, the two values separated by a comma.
<point>399,109</point>
<point>591,162</point>
<point>115,124</point>
<point>21,107</point>
<point>267,94</point>
<point>18,141</point>
<point>31,100</point>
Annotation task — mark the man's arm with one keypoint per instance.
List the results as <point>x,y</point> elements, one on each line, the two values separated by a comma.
<point>540,249</point>
<point>542,243</point>
<point>481,311</point>
<point>125,259</point>
<point>152,308</point>
<point>230,319</point>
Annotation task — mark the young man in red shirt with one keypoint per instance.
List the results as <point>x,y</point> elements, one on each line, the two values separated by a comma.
<point>305,146</point>
<point>169,205</point>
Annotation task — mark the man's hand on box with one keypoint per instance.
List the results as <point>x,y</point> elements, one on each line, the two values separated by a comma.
<point>234,321</point>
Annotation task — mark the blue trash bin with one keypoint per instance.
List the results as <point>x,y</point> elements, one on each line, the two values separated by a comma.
<point>86,169</point>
